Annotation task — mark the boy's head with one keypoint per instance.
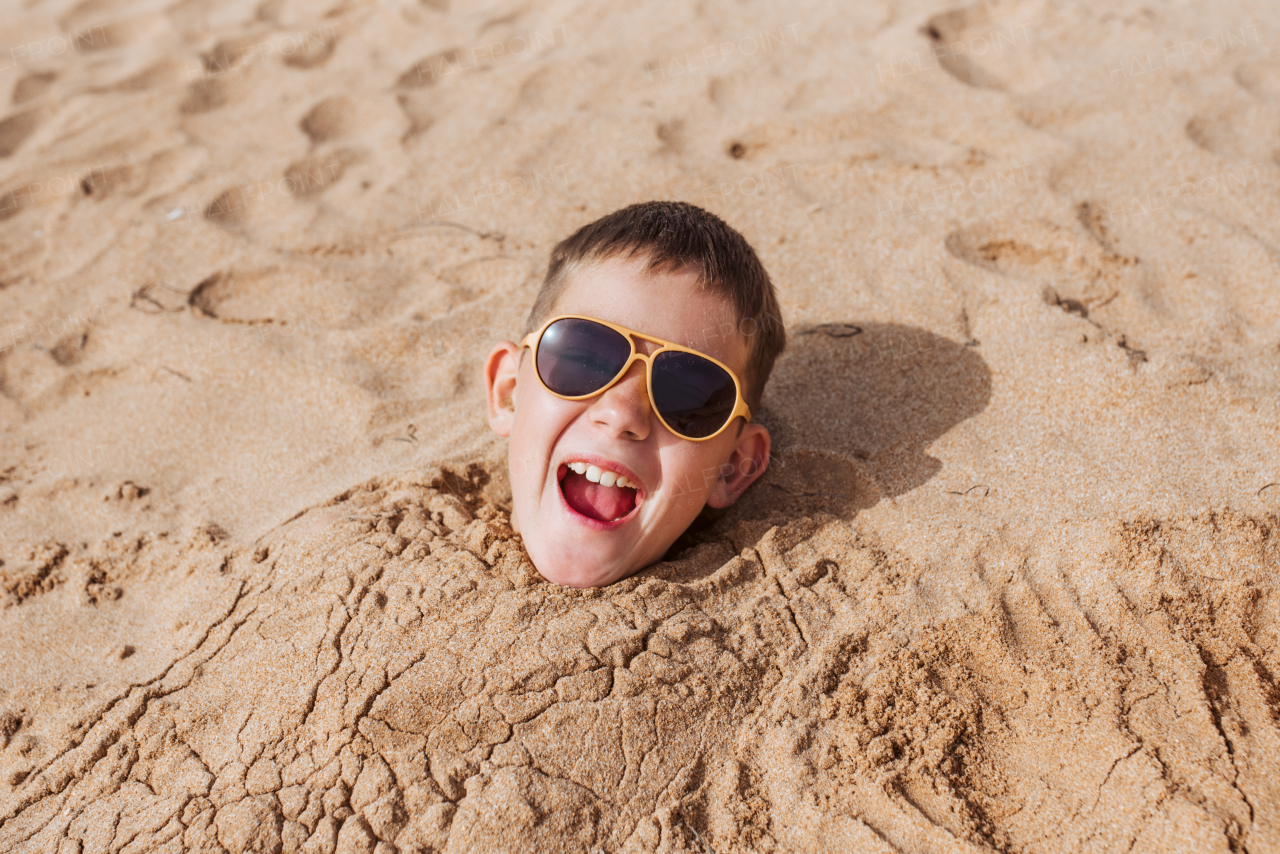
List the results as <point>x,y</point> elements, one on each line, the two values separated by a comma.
<point>668,271</point>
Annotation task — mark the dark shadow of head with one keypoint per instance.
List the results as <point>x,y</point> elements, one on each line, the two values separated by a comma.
<point>851,410</point>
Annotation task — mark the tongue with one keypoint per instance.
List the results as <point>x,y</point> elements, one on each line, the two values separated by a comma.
<point>602,503</point>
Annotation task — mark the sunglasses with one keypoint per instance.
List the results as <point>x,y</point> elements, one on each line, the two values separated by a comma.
<point>694,396</point>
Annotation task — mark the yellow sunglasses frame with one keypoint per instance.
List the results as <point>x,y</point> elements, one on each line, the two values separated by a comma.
<point>533,339</point>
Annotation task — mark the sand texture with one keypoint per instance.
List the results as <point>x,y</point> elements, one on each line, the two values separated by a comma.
<point>1010,583</point>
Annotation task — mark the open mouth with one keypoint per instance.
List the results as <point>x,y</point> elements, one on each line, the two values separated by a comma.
<point>597,493</point>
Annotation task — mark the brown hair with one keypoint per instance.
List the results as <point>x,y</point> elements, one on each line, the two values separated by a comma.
<point>671,235</point>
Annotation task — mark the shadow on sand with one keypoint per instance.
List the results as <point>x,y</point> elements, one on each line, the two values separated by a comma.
<point>851,409</point>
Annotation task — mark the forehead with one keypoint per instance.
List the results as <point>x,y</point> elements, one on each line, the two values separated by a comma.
<point>665,304</point>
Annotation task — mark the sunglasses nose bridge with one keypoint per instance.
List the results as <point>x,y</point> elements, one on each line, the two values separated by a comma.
<point>642,344</point>
<point>647,362</point>
<point>622,408</point>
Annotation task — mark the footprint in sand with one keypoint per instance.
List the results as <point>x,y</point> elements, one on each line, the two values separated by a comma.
<point>275,295</point>
<point>11,204</point>
<point>672,136</point>
<point>15,130</point>
<point>424,74</point>
<point>30,376</point>
<point>304,179</point>
<point>331,118</point>
<point>1239,132</point>
<point>212,93</point>
<point>431,69</point>
<point>313,49</point>
<point>1260,79</point>
<point>230,54</point>
<point>32,86</point>
<point>342,116</point>
<point>990,46</point>
<point>298,50</point>
<point>1161,312</point>
<point>231,65</point>
<point>1083,275</point>
<point>69,350</point>
<point>1245,128</point>
<point>229,209</point>
<point>312,175</point>
<point>162,171</point>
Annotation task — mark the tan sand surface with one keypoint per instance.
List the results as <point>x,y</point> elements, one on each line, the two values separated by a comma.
<point>1009,585</point>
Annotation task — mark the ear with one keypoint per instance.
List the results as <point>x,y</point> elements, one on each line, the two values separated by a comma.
<point>748,461</point>
<point>500,372</point>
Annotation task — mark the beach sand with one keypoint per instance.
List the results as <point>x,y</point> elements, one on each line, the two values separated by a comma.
<point>1010,583</point>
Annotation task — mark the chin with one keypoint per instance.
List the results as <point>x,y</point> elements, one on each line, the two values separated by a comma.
<point>579,570</point>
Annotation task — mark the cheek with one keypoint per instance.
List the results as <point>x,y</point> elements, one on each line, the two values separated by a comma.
<point>540,420</point>
<point>527,451</point>
<point>694,469</point>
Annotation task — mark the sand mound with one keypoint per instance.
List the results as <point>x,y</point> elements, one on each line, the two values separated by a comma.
<point>387,670</point>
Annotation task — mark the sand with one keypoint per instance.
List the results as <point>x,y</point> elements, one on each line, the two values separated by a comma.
<point>1009,585</point>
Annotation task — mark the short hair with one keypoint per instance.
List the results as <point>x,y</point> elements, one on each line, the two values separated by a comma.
<point>669,236</point>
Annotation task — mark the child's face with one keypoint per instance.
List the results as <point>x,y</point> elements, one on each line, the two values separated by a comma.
<point>618,431</point>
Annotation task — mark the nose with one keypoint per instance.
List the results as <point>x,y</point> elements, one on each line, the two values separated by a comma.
<point>623,411</point>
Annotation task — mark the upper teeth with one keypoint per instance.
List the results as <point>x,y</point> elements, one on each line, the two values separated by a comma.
<point>595,474</point>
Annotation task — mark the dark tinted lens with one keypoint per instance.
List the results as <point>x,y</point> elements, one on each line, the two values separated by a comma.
<point>579,357</point>
<point>694,395</point>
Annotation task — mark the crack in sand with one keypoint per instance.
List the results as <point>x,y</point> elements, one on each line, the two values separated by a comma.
<point>105,743</point>
<point>623,703</point>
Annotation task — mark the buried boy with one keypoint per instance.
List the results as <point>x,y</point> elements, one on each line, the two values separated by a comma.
<point>629,401</point>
